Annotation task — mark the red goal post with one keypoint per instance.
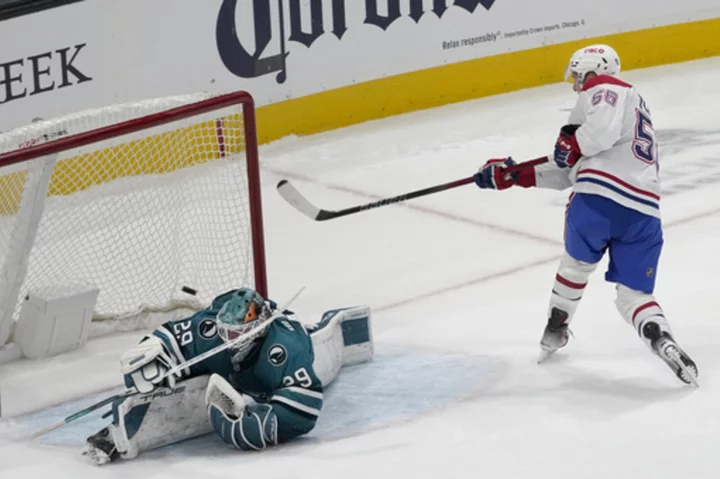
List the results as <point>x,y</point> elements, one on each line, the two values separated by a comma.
<point>139,190</point>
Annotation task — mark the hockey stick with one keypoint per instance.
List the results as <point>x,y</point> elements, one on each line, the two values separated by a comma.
<point>190,362</point>
<point>300,203</point>
<point>82,413</point>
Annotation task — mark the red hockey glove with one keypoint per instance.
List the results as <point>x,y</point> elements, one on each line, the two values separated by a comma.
<point>567,150</point>
<point>492,175</point>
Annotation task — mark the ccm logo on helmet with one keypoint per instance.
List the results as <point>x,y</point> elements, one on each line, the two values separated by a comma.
<point>594,50</point>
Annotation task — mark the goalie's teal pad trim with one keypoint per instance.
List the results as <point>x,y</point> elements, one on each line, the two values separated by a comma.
<point>114,410</point>
<point>326,317</point>
<point>355,331</point>
<point>134,419</point>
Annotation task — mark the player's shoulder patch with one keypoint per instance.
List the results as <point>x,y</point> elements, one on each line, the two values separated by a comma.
<point>277,355</point>
<point>207,328</point>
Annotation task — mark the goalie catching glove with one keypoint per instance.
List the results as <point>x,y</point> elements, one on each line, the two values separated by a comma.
<point>146,365</point>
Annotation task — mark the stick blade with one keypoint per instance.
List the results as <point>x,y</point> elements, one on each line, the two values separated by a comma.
<point>297,200</point>
<point>46,430</point>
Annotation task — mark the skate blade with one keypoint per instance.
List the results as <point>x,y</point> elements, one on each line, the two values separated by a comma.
<point>95,456</point>
<point>688,372</point>
<point>545,356</point>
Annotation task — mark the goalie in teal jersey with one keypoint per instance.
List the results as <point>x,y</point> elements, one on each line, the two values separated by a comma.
<point>264,390</point>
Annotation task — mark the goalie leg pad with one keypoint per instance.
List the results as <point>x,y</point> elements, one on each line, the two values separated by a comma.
<point>343,337</point>
<point>149,421</point>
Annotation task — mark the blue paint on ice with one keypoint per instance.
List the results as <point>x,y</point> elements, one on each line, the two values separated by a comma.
<point>401,384</point>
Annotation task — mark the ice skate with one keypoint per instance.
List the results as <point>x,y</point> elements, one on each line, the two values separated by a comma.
<point>101,448</point>
<point>555,336</point>
<point>668,350</point>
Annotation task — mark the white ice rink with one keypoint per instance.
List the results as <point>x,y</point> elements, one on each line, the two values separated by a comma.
<point>458,283</point>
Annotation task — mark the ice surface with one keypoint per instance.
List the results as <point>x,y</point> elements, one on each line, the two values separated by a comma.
<point>458,283</point>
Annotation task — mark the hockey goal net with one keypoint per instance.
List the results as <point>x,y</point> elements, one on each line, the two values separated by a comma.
<point>146,201</point>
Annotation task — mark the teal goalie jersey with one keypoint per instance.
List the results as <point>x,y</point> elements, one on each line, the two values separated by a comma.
<point>278,375</point>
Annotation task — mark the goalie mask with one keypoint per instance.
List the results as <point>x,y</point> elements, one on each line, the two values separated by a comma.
<point>243,314</point>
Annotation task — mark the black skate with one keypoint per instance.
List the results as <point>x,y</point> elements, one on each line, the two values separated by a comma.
<point>101,448</point>
<point>668,350</point>
<point>555,336</point>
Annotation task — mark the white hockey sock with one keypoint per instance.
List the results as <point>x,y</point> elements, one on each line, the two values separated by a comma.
<point>569,286</point>
<point>637,308</point>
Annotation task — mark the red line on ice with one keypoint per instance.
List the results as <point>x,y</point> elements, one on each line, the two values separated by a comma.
<point>520,268</point>
<point>502,229</point>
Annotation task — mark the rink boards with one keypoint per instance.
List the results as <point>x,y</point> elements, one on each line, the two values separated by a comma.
<point>318,65</point>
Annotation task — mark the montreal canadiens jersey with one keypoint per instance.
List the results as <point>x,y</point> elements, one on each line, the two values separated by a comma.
<point>619,153</point>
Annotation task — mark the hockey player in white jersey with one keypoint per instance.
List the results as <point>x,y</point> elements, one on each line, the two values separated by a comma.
<point>608,154</point>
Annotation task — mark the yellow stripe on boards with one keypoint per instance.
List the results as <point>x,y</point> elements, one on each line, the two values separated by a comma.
<point>154,154</point>
<point>361,102</point>
<point>478,78</point>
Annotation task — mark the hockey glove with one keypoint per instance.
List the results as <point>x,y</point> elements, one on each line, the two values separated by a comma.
<point>146,365</point>
<point>221,394</point>
<point>491,175</point>
<point>247,427</point>
<point>567,151</point>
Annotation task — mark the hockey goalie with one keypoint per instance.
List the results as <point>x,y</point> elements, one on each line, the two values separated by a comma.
<point>261,391</point>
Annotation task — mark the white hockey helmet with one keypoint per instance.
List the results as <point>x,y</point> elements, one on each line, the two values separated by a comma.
<point>597,59</point>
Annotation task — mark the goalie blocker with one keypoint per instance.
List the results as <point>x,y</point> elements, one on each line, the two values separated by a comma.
<point>246,419</point>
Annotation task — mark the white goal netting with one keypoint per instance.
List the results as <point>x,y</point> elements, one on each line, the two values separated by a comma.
<point>139,215</point>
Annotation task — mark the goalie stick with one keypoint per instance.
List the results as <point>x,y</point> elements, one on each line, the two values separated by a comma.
<point>190,362</point>
<point>288,191</point>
